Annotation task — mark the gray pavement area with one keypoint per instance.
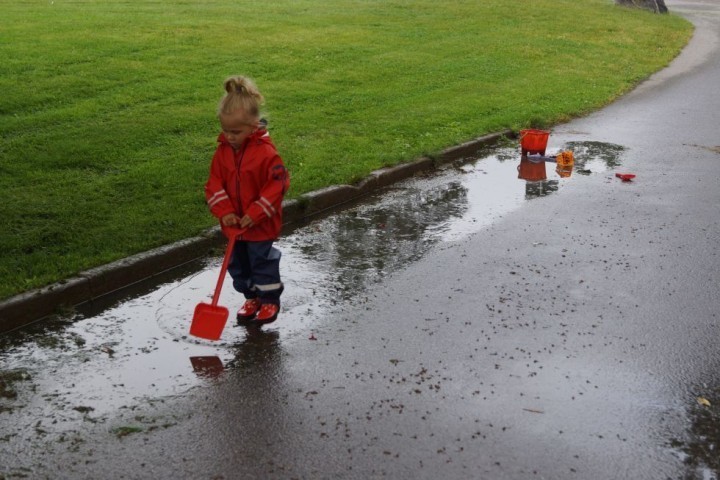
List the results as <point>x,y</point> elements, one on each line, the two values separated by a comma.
<point>464,323</point>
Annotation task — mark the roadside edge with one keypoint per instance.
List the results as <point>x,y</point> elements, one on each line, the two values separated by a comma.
<point>89,285</point>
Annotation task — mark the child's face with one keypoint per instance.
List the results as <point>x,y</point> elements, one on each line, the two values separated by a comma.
<point>237,127</point>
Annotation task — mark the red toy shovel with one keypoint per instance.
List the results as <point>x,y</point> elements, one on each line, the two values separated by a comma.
<point>209,319</point>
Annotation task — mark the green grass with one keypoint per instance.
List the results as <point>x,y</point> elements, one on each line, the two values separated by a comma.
<point>108,108</point>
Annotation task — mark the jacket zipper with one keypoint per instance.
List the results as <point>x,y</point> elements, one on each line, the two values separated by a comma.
<point>238,162</point>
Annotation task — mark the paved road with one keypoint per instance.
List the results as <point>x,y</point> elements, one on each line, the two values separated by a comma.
<point>565,332</point>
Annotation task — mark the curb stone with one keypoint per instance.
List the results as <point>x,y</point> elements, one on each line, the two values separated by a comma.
<point>89,285</point>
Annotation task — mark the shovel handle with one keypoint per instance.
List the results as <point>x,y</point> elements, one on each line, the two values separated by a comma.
<point>233,234</point>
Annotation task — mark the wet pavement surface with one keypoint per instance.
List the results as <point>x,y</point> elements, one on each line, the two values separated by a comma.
<point>497,319</point>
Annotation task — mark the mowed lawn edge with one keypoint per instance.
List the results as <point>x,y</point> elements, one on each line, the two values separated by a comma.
<point>108,109</point>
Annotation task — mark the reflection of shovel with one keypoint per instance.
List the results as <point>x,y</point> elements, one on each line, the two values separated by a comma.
<point>209,319</point>
<point>207,366</point>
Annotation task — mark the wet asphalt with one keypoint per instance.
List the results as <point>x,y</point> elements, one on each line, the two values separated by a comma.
<point>466,324</point>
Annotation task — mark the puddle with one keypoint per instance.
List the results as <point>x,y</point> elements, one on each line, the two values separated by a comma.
<point>94,361</point>
<point>701,451</point>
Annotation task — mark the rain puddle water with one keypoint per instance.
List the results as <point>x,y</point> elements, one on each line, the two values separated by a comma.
<point>88,364</point>
<point>700,450</point>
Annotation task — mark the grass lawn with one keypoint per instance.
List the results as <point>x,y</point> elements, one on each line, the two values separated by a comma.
<point>107,114</point>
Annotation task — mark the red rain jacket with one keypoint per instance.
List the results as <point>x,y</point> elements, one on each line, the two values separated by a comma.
<point>251,181</point>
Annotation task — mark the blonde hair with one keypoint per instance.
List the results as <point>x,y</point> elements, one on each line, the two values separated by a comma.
<point>241,93</point>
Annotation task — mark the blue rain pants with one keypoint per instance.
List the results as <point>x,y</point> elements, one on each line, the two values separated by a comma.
<point>255,270</point>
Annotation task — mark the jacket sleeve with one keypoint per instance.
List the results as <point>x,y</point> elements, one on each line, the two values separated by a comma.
<point>272,193</point>
<point>215,194</point>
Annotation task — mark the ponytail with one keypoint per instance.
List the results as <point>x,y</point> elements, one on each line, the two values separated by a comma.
<point>241,93</point>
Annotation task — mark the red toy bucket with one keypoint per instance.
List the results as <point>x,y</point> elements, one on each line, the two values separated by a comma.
<point>533,141</point>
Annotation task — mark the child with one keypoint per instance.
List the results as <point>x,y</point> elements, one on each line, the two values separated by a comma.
<point>245,190</point>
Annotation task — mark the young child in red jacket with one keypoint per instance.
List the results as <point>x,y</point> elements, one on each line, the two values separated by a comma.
<point>245,190</point>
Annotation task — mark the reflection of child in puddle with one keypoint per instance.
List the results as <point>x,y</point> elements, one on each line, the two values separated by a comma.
<point>259,351</point>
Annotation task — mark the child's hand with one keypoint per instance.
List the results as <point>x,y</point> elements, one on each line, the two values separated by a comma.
<point>246,221</point>
<point>230,219</point>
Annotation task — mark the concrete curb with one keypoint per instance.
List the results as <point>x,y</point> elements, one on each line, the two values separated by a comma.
<point>89,285</point>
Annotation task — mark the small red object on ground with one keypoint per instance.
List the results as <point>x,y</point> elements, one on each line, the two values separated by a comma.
<point>625,177</point>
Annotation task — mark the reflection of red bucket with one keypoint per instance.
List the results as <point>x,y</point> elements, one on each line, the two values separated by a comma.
<point>533,141</point>
<point>531,171</point>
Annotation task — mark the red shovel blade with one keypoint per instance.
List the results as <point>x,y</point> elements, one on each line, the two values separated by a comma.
<point>208,321</point>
